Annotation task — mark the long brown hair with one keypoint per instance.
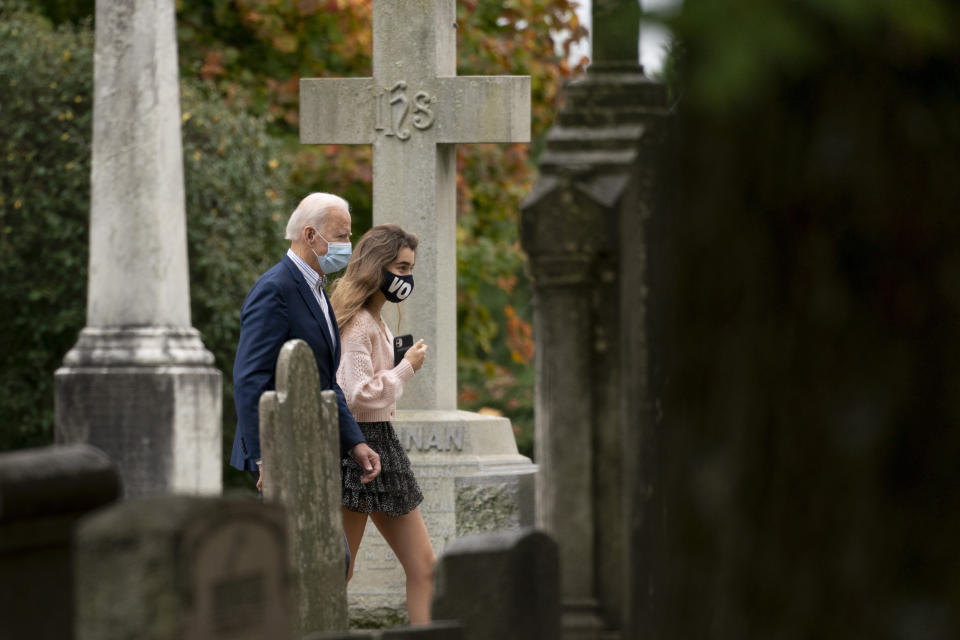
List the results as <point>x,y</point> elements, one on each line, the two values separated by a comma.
<point>374,252</point>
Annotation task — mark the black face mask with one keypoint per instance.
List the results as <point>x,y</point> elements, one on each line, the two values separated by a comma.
<point>396,288</point>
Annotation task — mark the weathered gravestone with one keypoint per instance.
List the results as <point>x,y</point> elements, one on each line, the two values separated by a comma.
<point>414,110</point>
<point>138,384</point>
<point>183,568</point>
<point>43,493</point>
<point>500,585</point>
<point>300,437</point>
<point>584,229</point>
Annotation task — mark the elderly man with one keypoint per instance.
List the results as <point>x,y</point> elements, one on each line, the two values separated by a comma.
<point>288,302</point>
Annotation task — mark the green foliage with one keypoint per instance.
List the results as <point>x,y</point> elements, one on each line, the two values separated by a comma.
<point>45,93</point>
<point>58,11</point>
<point>236,209</point>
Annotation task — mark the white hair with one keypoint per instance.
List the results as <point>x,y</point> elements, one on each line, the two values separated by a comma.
<point>312,211</point>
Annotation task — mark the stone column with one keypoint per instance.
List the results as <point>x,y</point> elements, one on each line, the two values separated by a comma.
<point>584,229</point>
<point>138,384</point>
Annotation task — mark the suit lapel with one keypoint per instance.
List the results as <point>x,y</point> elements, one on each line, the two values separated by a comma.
<point>311,302</point>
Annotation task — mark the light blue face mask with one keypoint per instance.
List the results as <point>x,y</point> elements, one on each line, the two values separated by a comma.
<point>338,255</point>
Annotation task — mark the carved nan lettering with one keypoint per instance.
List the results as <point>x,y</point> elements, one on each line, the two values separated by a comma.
<point>439,438</point>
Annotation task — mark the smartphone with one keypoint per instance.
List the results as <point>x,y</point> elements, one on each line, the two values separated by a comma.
<point>400,346</point>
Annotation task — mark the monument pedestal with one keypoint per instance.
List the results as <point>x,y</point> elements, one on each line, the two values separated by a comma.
<point>150,399</point>
<point>473,479</point>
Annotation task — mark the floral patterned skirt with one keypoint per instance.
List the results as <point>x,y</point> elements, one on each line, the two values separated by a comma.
<point>395,491</point>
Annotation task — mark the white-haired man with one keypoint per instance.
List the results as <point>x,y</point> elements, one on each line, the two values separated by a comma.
<point>288,302</point>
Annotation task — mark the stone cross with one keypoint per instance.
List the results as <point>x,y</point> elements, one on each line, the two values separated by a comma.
<point>300,435</point>
<point>413,111</point>
<point>139,383</point>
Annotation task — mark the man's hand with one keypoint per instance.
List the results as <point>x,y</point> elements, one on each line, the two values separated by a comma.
<point>369,461</point>
<point>260,479</point>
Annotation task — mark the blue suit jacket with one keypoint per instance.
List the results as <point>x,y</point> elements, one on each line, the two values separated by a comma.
<point>281,307</point>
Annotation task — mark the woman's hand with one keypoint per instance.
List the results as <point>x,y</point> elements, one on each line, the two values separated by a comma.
<point>416,354</point>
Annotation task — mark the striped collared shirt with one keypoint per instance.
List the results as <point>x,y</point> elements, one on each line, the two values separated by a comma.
<point>313,282</point>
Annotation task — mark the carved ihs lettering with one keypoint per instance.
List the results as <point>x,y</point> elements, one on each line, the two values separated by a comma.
<point>393,107</point>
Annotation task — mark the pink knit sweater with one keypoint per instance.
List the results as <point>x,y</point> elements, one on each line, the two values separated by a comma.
<point>370,382</point>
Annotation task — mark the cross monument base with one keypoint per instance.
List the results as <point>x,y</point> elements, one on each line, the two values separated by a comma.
<point>443,446</point>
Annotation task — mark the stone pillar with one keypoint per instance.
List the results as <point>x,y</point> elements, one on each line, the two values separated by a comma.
<point>139,383</point>
<point>584,229</point>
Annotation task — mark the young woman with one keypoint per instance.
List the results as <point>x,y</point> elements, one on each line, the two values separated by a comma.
<point>379,271</point>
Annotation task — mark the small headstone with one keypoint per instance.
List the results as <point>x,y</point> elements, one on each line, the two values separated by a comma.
<point>300,442</point>
<point>500,585</point>
<point>183,568</point>
<point>43,492</point>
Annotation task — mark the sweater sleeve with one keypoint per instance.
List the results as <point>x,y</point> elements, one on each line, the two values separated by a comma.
<point>364,388</point>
